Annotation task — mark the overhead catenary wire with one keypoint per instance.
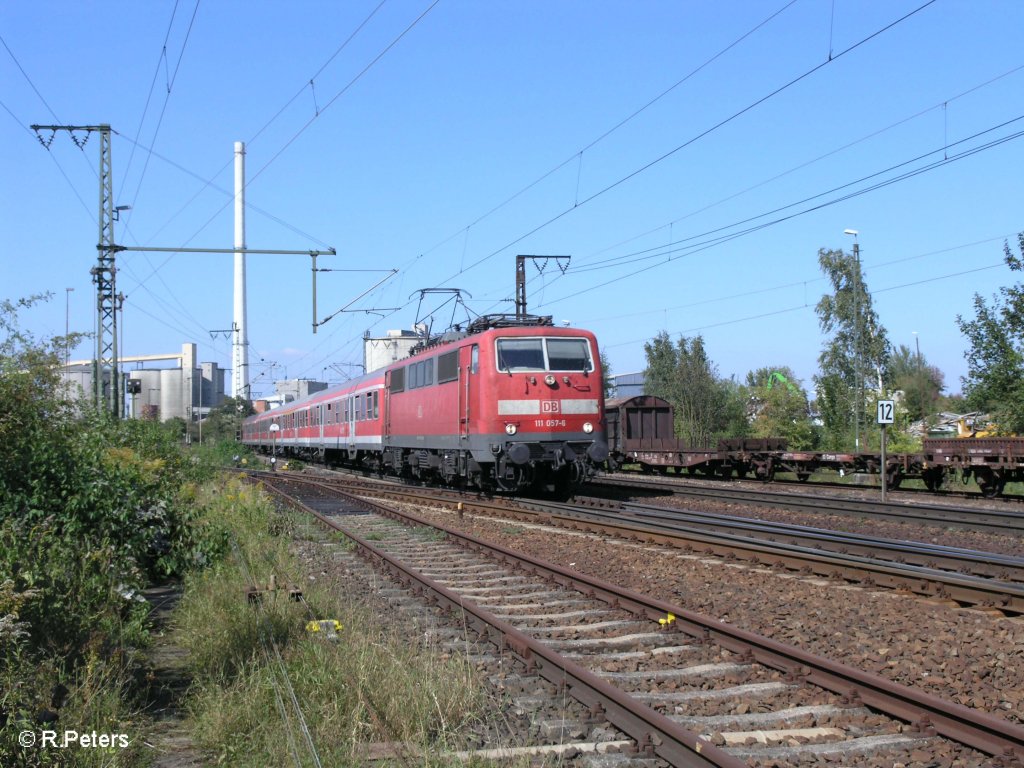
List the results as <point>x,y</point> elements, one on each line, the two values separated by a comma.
<point>673,254</point>
<point>163,111</point>
<point>797,308</point>
<point>578,154</point>
<point>250,179</point>
<point>796,283</point>
<point>871,135</point>
<point>707,132</point>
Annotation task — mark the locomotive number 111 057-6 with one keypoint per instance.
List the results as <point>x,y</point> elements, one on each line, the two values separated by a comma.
<point>549,422</point>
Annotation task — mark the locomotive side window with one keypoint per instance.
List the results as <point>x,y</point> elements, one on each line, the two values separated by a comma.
<point>398,380</point>
<point>474,359</point>
<point>447,367</point>
<point>421,374</point>
<point>569,355</point>
<point>520,355</point>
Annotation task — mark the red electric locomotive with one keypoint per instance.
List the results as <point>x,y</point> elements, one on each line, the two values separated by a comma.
<point>510,404</point>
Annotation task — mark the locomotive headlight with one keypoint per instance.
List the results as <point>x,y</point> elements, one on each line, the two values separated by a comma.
<point>588,427</point>
<point>511,429</point>
<point>549,380</point>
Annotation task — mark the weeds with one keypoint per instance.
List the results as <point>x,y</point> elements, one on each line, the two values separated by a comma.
<point>368,684</point>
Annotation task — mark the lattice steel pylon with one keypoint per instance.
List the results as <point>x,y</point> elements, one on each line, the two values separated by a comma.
<point>103,274</point>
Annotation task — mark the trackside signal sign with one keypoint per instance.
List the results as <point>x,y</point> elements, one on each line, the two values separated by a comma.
<point>886,411</point>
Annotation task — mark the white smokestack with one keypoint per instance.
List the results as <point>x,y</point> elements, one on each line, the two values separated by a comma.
<point>240,344</point>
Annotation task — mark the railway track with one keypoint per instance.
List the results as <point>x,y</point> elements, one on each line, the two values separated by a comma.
<point>966,577</point>
<point>967,518</point>
<point>687,689</point>
<point>791,479</point>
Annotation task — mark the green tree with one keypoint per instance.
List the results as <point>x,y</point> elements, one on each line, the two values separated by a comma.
<point>921,384</point>
<point>777,407</point>
<point>223,423</point>
<point>662,363</point>
<point>706,407</point>
<point>995,360</point>
<point>606,375</point>
<point>855,357</point>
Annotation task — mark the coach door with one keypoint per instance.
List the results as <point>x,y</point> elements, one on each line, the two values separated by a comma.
<point>469,365</point>
<point>350,417</point>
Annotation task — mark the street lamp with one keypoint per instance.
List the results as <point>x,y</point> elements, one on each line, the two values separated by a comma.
<point>67,330</point>
<point>856,340</point>
<point>920,378</point>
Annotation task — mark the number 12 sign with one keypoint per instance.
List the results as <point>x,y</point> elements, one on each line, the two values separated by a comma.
<point>886,411</point>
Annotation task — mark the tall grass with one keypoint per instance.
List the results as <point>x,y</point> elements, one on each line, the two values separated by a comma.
<point>371,683</point>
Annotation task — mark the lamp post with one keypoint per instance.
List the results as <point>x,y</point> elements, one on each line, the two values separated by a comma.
<point>856,341</point>
<point>920,378</point>
<point>67,330</point>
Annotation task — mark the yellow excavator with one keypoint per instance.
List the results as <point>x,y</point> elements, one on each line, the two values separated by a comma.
<point>967,426</point>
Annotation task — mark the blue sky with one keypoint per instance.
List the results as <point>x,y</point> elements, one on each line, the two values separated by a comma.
<point>691,158</point>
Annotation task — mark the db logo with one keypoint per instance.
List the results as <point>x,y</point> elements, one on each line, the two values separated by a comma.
<point>549,406</point>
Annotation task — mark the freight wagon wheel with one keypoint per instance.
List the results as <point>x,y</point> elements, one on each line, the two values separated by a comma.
<point>803,477</point>
<point>893,478</point>
<point>932,479</point>
<point>990,482</point>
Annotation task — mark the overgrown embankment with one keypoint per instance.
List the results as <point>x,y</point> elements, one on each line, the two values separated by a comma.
<point>91,511</point>
<point>367,684</point>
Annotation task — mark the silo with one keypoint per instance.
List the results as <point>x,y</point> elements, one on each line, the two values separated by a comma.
<point>172,395</point>
<point>146,404</point>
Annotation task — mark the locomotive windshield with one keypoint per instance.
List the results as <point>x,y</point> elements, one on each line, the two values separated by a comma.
<point>546,354</point>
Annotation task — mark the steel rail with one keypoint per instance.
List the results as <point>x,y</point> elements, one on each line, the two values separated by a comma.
<point>921,578</point>
<point>655,734</point>
<point>868,571</point>
<point>928,714</point>
<point>989,564</point>
<point>990,520</point>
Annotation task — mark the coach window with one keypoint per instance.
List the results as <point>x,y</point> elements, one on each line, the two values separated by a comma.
<point>376,404</point>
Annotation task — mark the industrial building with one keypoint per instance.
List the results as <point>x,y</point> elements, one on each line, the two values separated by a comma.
<point>189,391</point>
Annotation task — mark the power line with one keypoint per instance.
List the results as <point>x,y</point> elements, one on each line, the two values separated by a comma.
<point>167,99</point>
<point>266,165</point>
<point>804,283</point>
<point>940,105</point>
<point>774,313</point>
<point>579,153</point>
<point>699,136</point>
<point>673,254</point>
